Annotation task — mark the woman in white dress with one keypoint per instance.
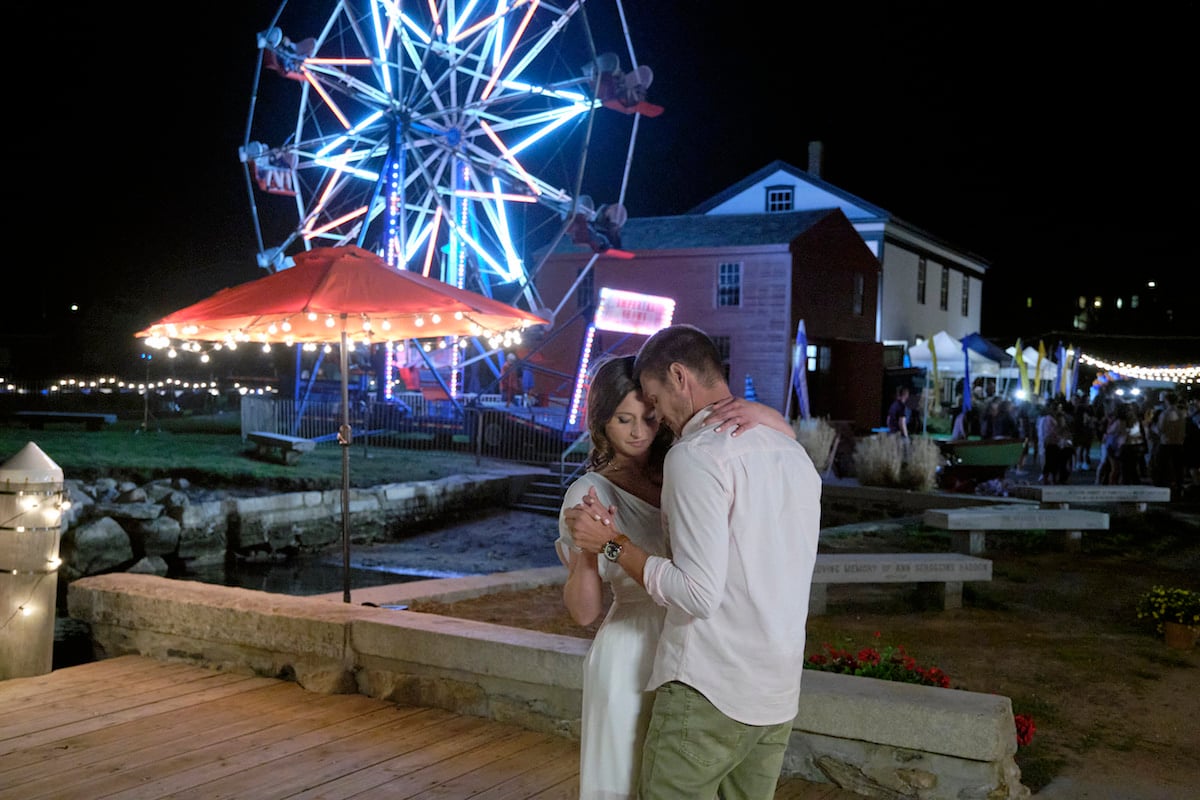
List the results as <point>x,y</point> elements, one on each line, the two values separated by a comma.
<point>625,474</point>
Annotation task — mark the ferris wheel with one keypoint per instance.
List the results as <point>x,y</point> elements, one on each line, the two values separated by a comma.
<point>450,136</point>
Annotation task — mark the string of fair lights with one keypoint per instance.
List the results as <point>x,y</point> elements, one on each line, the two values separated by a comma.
<point>37,512</point>
<point>1183,374</point>
<point>1188,374</point>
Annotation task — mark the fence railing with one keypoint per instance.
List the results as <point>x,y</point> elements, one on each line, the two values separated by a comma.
<point>482,425</point>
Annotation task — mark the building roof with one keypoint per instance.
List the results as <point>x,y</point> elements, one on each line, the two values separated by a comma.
<point>814,193</point>
<point>854,207</point>
<point>692,231</point>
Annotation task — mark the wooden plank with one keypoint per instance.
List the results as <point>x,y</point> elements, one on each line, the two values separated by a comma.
<point>447,761</point>
<point>274,739</point>
<point>121,705</point>
<point>551,768</point>
<point>487,765</point>
<point>163,771</point>
<point>34,691</point>
<point>361,754</point>
<point>79,751</point>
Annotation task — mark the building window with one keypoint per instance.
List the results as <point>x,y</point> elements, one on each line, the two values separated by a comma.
<point>780,198</point>
<point>944,300</point>
<point>966,296</point>
<point>859,291</point>
<point>722,345</point>
<point>586,291</point>
<point>824,360</point>
<point>921,265</point>
<point>729,284</point>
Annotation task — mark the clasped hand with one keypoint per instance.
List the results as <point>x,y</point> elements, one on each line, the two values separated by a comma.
<point>590,522</point>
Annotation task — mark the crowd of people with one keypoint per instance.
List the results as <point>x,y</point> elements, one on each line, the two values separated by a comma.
<point>1141,439</point>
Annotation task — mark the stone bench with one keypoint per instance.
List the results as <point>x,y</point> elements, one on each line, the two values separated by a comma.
<point>1062,496</point>
<point>939,575</point>
<point>968,526</point>
<point>287,448</point>
<point>38,419</point>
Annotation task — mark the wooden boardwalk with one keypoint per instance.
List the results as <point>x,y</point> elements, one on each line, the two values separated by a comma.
<point>135,727</point>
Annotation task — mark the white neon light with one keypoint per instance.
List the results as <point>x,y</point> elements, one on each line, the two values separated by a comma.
<point>369,120</point>
<point>381,44</point>
<point>581,380</point>
<point>633,312</point>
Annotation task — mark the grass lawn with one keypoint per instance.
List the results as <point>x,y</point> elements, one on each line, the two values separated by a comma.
<point>209,451</point>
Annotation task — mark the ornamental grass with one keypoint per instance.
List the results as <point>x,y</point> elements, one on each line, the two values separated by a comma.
<point>891,460</point>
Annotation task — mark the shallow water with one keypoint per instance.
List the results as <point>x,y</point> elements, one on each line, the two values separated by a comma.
<point>498,540</point>
<point>298,576</point>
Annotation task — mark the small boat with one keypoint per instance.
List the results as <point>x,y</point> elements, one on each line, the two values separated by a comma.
<point>973,461</point>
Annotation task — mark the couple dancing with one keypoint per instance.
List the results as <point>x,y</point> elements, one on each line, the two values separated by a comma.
<point>703,513</point>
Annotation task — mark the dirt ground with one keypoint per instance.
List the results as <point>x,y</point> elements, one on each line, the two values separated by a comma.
<point>1115,709</point>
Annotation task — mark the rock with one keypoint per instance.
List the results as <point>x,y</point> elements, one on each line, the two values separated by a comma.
<point>158,537</point>
<point>134,495</point>
<point>95,547</point>
<point>150,565</point>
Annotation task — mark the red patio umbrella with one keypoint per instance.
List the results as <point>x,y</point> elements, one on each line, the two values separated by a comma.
<point>331,295</point>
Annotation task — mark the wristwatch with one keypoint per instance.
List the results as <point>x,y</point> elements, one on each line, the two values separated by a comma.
<point>612,548</point>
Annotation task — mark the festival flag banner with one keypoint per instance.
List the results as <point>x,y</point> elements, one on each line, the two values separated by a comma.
<point>1022,369</point>
<point>1074,371</point>
<point>1058,376</point>
<point>933,361</point>
<point>1037,370</point>
<point>800,370</point>
<point>966,378</point>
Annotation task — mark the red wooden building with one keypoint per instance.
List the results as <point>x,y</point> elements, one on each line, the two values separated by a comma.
<point>747,280</point>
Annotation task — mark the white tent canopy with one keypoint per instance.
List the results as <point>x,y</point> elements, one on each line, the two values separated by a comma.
<point>1030,356</point>
<point>950,361</point>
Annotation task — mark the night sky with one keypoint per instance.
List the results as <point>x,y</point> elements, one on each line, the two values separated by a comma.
<point>1059,149</point>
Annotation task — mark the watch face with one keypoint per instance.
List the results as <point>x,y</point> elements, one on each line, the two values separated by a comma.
<point>611,551</point>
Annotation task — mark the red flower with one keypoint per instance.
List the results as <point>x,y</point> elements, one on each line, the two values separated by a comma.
<point>1025,729</point>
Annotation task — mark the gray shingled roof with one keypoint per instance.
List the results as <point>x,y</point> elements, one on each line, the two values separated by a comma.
<point>716,230</point>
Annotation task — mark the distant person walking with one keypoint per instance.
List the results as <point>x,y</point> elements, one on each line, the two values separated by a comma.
<point>1171,427</point>
<point>899,413</point>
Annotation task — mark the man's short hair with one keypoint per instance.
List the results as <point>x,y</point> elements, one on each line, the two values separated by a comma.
<point>683,344</point>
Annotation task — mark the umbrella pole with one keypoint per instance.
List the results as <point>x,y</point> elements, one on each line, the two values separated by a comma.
<point>344,442</point>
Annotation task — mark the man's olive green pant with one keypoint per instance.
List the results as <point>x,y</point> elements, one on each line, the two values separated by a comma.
<point>694,751</point>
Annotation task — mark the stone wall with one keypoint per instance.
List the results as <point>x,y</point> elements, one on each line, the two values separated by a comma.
<point>165,526</point>
<point>881,739</point>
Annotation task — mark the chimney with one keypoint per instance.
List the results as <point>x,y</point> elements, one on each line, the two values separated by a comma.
<point>814,158</point>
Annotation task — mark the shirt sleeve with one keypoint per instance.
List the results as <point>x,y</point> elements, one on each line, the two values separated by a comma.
<point>695,508</point>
